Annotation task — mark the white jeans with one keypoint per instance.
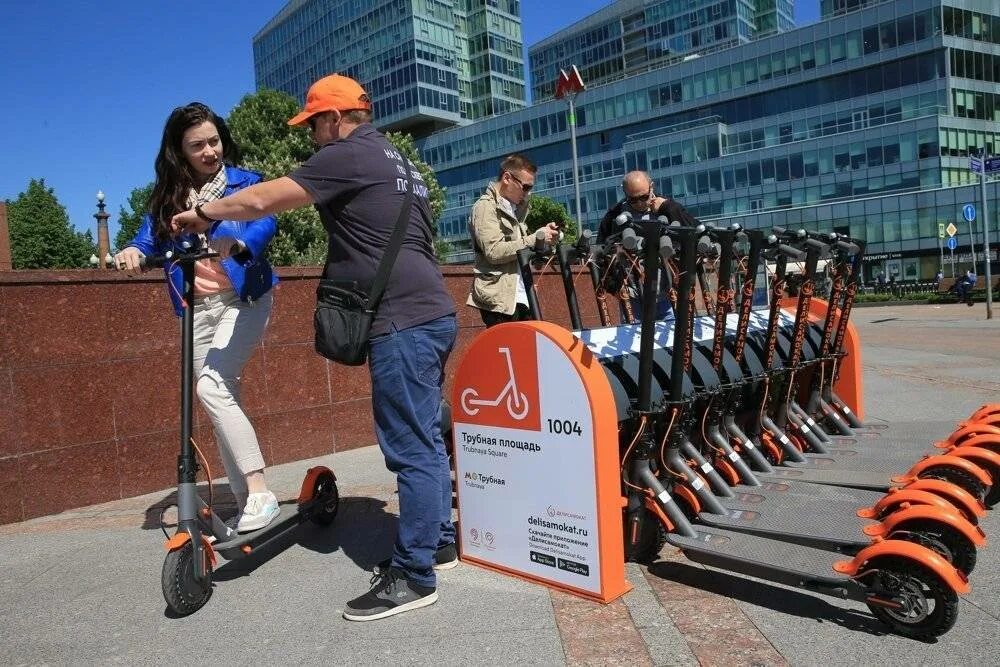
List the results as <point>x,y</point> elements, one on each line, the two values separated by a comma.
<point>226,333</point>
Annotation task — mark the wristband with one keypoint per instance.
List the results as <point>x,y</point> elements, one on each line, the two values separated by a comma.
<point>201,214</point>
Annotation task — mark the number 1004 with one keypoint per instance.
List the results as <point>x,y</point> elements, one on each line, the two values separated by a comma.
<point>564,427</point>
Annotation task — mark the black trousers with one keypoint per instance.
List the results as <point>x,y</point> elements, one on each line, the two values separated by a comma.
<point>491,318</point>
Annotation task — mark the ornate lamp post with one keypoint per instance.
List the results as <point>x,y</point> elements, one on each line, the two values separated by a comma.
<point>103,242</point>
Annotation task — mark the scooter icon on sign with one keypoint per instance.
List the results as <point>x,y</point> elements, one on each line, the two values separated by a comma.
<point>517,402</point>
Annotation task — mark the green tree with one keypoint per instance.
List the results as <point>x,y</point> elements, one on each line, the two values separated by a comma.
<point>259,124</point>
<point>130,220</point>
<point>41,236</point>
<point>435,193</point>
<point>545,210</point>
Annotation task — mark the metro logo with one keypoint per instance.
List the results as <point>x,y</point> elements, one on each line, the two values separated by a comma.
<point>502,391</point>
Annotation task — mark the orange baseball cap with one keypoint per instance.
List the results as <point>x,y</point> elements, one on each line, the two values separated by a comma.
<point>333,93</point>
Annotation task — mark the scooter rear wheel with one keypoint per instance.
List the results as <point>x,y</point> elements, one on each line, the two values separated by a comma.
<point>958,478</point>
<point>182,591</point>
<point>327,499</point>
<point>952,545</point>
<point>930,607</point>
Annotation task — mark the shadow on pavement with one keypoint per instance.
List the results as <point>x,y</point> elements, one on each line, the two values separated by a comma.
<point>805,605</point>
<point>363,530</point>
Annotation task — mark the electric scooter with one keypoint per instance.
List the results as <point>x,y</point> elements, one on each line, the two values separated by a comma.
<point>907,586</point>
<point>849,468</point>
<point>815,516</point>
<point>201,535</point>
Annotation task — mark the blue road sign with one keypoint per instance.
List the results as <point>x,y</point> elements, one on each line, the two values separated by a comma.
<point>952,243</point>
<point>979,165</point>
<point>969,212</point>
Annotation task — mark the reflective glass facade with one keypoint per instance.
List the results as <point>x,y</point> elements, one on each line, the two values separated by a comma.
<point>427,64</point>
<point>631,36</point>
<point>863,122</point>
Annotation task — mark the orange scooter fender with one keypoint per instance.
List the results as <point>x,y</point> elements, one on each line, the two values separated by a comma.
<point>986,459</point>
<point>967,431</point>
<point>953,493</point>
<point>180,538</point>
<point>907,551</point>
<point>897,521</point>
<point>985,411</point>
<point>309,482</point>
<point>945,460</point>
<point>979,443</point>
<point>898,498</point>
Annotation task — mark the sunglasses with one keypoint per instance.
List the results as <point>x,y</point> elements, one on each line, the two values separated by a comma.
<point>638,199</point>
<point>524,188</point>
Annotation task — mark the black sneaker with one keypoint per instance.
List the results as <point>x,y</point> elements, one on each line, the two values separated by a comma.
<point>445,558</point>
<point>392,593</point>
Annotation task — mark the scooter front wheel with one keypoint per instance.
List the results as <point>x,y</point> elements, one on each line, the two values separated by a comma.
<point>182,591</point>
<point>915,602</point>
<point>644,538</point>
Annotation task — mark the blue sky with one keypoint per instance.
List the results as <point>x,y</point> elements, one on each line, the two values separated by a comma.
<point>86,89</point>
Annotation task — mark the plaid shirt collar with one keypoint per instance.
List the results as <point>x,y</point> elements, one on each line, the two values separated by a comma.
<point>212,190</point>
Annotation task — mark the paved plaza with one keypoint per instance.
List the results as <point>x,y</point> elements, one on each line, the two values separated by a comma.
<point>83,587</point>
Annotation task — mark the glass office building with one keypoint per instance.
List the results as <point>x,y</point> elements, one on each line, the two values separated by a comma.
<point>862,123</point>
<point>428,64</point>
<point>632,36</point>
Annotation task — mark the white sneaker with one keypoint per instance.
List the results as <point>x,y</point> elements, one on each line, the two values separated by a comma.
<point>261,509</point>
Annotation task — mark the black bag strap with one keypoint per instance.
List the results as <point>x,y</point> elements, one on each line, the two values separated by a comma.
<point>395,243</point>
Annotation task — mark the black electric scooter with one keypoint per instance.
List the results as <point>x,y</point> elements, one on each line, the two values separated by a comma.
<point>871,468</point>
<point>201,534</point>
<point>907,586</point>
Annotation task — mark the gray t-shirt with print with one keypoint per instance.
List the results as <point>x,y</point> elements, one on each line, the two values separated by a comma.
<point>358,184</point>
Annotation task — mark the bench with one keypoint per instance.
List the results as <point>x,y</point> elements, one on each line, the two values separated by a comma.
<point>947,284</point>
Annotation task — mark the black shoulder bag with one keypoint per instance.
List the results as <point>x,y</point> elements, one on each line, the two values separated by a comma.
<point>344,312</point>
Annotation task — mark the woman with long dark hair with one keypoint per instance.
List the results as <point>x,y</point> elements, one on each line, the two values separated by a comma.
<point>195,165</point>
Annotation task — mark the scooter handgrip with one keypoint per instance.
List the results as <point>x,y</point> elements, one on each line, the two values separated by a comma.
<point>849,248</point>
<point>630,240</point>
<point>818,245</point>
<point>790,252</point>
<point>154,261</point>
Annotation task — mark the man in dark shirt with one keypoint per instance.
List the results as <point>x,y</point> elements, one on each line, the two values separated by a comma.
<point>640,200</point>
<point>357,181</point>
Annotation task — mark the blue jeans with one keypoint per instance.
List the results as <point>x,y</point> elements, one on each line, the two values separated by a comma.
<point>407,371</point>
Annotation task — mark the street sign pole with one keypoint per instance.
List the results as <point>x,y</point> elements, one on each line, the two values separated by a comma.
<point>570,84</point>
<point>576,168</point>
<point>969,213</point>
<point>986,239</point>
<point>952,262</point>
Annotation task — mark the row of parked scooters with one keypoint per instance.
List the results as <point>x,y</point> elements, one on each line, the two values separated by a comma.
<point>735,447</point>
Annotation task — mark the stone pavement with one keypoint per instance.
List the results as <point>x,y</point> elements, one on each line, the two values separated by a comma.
<point>83,586</point>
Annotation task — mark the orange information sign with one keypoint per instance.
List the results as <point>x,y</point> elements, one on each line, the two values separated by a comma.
<point>536,459</point>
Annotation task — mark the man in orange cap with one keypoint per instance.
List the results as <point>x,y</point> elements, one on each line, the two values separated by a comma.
<point>357,181</point>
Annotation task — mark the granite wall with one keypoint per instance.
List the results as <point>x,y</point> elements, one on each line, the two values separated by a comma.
<point>89,389</point>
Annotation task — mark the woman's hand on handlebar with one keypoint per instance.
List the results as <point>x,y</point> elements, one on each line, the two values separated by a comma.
<point>129,260</point>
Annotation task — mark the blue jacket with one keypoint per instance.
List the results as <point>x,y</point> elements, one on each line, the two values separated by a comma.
<point>251,277</point>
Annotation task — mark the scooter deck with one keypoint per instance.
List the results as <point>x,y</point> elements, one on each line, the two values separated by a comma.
<point>878,481</point>
<point>891,461</point>
<point>760,556</point>
<point>790,517</point>
<point>286,520</point>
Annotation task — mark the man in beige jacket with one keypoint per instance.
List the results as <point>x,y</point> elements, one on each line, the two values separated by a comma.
<point>497,228</point>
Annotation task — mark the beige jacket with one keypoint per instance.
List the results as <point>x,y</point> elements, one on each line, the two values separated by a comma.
<point>496,238</point>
